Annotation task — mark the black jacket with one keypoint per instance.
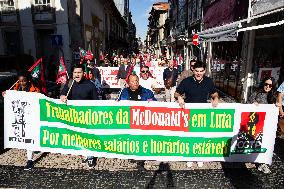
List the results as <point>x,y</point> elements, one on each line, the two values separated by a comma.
<point>168,74</point>
<point>122,73</point>
<point>84,90</point>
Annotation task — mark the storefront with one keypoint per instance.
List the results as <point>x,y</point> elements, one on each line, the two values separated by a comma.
<point>268,57</point>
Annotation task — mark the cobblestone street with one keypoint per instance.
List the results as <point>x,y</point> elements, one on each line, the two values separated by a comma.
<point>60,171</point>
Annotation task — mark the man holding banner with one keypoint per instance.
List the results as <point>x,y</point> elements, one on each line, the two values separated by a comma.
<point>80,89</point>
<point>135,91</point>
<point>197,89</point>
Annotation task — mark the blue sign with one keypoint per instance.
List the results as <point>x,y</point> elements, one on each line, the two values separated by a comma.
<point>56,40</point>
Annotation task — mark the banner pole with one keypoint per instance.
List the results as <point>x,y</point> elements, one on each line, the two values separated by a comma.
<point>69,89</point>
<point>13,85</point>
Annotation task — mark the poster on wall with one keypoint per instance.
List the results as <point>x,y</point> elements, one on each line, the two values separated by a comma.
<point>268,72</point>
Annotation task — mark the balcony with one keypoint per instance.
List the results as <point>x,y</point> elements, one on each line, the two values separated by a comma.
<point>43,14</point>
<point>8,19</point>
<point>8,14</point>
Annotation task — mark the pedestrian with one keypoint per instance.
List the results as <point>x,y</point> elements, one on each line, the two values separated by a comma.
<point>280,102</point>
<point>122,72</point>
<point>25,83</point>
<point>97,83</point>
<point>82,89</point>
<point>145,80</point>
<point>197,89</point>
<point>170,76</point>
<point>136,92</point>
<point>186,73</point>
<point>96,71</point>
<point>264,95</point>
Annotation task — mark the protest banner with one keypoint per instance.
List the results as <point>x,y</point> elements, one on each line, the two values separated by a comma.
<point>141,130</point>
<point>108,76</point>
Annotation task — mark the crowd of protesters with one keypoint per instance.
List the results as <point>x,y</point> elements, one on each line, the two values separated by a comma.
<point>180,86</point>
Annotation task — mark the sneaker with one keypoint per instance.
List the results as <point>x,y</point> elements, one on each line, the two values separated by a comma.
<point>200,164</point>
<point>264,168</point>
<point>30,165</point>
<point>85,160</point>
<point>90,162</point>
<point>189,164</point>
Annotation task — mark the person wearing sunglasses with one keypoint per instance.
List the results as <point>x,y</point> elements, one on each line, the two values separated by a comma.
<point>265,94</point>
<point>145,80</point>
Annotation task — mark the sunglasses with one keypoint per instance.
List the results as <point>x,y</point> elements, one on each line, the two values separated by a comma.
<point>144,71</point>
<point>267,84</point>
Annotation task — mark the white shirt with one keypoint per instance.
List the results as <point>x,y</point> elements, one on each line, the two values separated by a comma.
<point>148,84</point>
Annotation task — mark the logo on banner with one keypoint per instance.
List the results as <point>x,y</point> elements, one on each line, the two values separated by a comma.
<point>19,124</point>
<point>249,139</point>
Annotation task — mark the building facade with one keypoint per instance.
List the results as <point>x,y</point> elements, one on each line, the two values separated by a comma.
<point>156,35</point>
<point>51,28</point>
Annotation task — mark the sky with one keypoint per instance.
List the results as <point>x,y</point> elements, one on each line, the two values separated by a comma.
<point>140,12</point>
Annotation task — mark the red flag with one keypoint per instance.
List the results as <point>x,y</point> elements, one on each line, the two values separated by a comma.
<point>35,64</point>
<point>37,72</point>
<point>62,72</point>
<point>130,71</point>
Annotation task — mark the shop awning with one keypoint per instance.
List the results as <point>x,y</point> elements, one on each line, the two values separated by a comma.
<point>227,32</point>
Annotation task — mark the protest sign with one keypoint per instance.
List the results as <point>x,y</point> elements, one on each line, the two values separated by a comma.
<point>141,130</point>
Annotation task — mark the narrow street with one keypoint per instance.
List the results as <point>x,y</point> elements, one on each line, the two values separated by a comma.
<point>194,90</point>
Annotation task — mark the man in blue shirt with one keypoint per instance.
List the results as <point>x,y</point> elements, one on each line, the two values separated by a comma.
<point>135,91</point>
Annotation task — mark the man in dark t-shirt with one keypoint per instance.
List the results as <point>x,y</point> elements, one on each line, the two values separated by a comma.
<point>197,88</point>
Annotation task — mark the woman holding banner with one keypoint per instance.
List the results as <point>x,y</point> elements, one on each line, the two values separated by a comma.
<point>25,83</point>
<point>264,95</point>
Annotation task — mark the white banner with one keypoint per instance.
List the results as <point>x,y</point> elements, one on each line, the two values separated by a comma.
<point>141,130</point>
<point>108,76</point>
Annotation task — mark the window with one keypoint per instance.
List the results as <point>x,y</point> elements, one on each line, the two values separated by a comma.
<point>42,5</point>
<point>7,6</point>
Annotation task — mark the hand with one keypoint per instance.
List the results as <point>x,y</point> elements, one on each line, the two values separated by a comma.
<point>277,104</point>
<point>214,102</point>
<point>3,93</point>
<point>181,102</point>
<point>281,113</point>
<point>63,98</point>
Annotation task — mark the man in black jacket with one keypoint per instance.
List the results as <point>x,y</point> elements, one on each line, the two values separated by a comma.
<point>170,76</point>
<point>122,72</point>
<point>81,89</point>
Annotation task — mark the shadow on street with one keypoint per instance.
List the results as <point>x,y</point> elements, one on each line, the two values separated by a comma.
<point>163,167</point>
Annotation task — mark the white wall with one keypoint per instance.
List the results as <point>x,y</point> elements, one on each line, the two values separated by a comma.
<point>62,28</point>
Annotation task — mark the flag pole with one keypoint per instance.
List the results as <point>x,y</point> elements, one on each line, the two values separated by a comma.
<point>69,89</point>
<point>13,85</point>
